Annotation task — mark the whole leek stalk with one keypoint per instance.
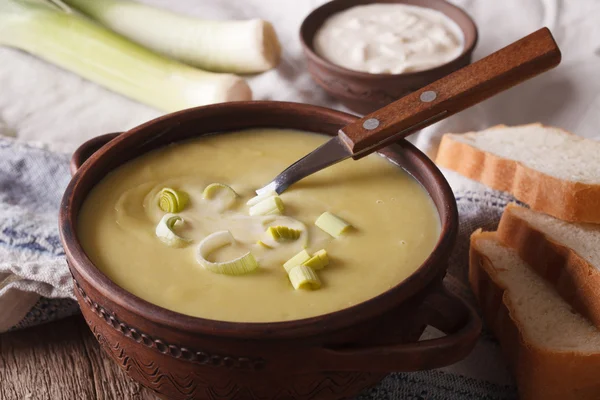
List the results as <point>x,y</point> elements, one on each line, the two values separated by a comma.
<point>81,46</point>
<point>223,46</point>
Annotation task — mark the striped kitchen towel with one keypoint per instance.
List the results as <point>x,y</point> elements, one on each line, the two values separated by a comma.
<point>35,284</point>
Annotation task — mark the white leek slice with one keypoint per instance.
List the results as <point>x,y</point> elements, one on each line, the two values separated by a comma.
<point>257,199</point>
<point>298,259</point>
<point>303,277</point>
<point>238,266</point>
<point>332,224</point>
<point>282,233</point>
<point>263,244</point>
<point>269,206</point>
<point>165,231</point>
<point>79,45</point>
<point>318,261</point>
<point>172,201</point>
<point>224,46</point>
<point>219,190</point>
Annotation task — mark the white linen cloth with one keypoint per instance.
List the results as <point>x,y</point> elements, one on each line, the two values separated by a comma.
<point>44,104</point>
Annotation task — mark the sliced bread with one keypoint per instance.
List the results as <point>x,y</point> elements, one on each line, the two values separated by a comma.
<point>550,169</point>
<point>566,254</point>
<point>554,352</point>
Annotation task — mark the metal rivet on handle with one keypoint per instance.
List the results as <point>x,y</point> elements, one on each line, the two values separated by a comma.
<point>371,124</point>
<point>428,96</point>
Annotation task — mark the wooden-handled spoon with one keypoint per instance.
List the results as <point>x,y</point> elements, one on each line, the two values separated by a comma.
<point>516,63</point>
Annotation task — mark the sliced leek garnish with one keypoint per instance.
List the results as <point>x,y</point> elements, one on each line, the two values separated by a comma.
<point>165,231</point>
<point>171,200</point>
<point>288,227</point>
<point>332,224</point>
<point>221,190</point>
<point>298,259</point>
<point>238,266</point>
<point>303,277</point>
<point>211,190</point>
<point>318,261</point>
<point>282,233</point>
<point>263,244</point>
<point>257,199</point>
<point>269,206</point>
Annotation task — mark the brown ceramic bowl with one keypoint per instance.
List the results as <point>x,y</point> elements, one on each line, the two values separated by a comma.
<point>364,92</point>
<point>331,356</point>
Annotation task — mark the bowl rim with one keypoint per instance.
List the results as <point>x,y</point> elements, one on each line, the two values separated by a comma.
<point>433,266</point>
<point>315,57</point>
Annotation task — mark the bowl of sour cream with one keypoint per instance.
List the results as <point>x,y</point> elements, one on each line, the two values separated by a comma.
<point>369,53</point>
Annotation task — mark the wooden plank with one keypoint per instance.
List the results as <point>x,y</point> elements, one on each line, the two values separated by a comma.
<point>61,361</point>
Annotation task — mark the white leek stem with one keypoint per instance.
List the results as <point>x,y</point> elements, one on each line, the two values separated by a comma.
<point>223,46</point>
<point>112,61</point>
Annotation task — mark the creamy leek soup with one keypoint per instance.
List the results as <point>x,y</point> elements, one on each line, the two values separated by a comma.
<point>392,227</point>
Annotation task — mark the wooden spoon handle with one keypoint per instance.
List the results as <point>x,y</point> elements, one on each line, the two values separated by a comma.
<point>468,86</point>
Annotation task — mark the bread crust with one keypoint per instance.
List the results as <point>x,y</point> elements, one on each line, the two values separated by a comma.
<point>575,279</point>
<point>541,373</point>
<point>567,200</point>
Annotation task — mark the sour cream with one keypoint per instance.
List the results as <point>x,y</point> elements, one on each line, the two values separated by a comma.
<point>389,39</point>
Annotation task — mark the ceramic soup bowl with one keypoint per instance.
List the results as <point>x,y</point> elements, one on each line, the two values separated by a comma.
<point>331,356</point>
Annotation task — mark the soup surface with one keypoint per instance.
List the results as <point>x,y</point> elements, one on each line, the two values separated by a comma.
<point>394,227</point>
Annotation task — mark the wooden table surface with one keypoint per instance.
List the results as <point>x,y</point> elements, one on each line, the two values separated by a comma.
<point>61,361</point>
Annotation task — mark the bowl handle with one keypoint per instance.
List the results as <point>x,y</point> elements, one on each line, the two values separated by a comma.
<point>446,312</point>
<point>88,148</point>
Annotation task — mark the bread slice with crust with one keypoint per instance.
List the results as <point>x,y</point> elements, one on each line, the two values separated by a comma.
<point>550,169</point>
<point>553,352</point>
<point>566,254</point>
